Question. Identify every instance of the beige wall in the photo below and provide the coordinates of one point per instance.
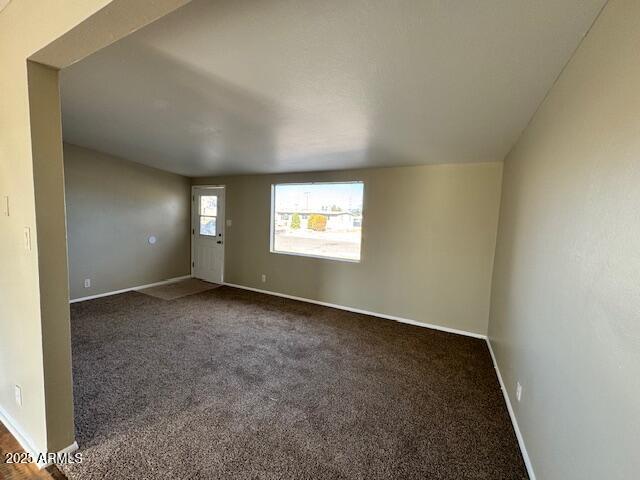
(565, 302)
(427, 246)
(23, 30)
(113, 206)
(34, 346)
(48, 181)
(565, 316)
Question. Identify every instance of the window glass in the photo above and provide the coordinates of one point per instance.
(209, 205)
(208, 226)
(318, 219)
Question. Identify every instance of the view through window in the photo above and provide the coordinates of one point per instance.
(318, 219)
(208, 215)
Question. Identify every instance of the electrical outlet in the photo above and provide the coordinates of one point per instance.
(264, 278)
(87, 282)
(518, 391)
(18, 394)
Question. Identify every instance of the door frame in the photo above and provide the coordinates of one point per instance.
(194, 214)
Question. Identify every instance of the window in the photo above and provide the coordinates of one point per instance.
(317, 219)
(208, 214)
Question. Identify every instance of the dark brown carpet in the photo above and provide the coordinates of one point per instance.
(233, 384)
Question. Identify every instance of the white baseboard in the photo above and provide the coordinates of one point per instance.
(26, 443)
(124, 290)
(514, 421)
(65, 451)
(364, 312)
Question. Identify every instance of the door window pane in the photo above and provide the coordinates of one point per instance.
(209, 205)
(208, 226)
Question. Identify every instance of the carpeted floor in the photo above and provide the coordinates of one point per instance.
(233, 384)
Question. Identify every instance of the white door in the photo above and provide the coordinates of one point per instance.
(207, 234)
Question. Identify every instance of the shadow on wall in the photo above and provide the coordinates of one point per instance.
(509, 247)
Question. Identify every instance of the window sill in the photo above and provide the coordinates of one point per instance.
(321, 257)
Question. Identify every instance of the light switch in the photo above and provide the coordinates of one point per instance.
(27, 238)
(5, 205)
(18, 394)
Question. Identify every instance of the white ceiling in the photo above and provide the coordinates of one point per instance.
(223, 87)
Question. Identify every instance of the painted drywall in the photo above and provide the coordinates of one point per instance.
(113, 207)
(33, 347)
(566, 291)
(427, 244)
(48, 181)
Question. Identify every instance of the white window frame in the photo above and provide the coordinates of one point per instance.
(272, 230)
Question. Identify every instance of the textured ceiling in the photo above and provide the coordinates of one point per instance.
(279, 85)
